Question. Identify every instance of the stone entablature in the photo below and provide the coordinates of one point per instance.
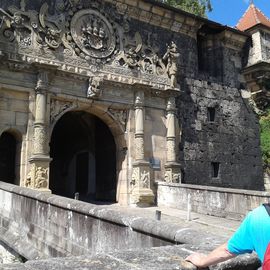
(83, 39)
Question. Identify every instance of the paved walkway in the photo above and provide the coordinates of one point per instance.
(216, 225)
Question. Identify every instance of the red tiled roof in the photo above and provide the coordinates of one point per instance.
(252, 17)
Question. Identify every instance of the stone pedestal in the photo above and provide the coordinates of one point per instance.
(172, 172)
(142, 194)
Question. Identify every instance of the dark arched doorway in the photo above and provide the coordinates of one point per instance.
(83, 155)
(7, 158)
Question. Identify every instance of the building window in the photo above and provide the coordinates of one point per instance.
(215, 167)
(211, 114)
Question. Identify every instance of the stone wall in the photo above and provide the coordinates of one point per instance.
(220, 202)
(231, 139)
(38, 225)
(265, 45)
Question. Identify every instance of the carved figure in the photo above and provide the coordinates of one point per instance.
(176, 177)
(171, 57)
(135, 178)
(94, 90)
(41, 177)
(28, 180)
(19, 25)
(145, 178)
(52, 38)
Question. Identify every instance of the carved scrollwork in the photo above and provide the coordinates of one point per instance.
(66, 29)
(171, 177)
(120, 116)
(58, 107)
(144, 58)
(49, 29)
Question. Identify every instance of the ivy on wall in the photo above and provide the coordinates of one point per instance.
(265, 140)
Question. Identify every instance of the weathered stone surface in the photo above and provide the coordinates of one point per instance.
(147, 259)
(38, 225)
(221, 202)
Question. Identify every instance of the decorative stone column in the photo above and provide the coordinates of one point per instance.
(172, 168)
(38, 177)
(141, 192)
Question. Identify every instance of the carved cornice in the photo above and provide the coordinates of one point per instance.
(258, 79)
(233, 40)
(159, 16)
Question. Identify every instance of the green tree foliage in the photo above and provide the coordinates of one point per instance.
(197, 7)
(265, 140)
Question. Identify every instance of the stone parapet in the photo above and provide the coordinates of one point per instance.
(145, 259)
(215, 201)
(39, 225)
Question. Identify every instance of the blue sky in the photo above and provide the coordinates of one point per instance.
(229, 12)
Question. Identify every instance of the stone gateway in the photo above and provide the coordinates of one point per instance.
(108, 98)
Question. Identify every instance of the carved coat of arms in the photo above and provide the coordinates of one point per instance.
(93, 33)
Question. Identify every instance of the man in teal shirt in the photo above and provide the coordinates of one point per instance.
(252, 235)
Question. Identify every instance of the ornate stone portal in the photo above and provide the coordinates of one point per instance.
(89, 57)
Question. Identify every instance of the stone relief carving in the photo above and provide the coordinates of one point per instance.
(72, 28)
(58, 107)
(140, 178)
(145, 179)
(139, 148)
(119, 115)
(171, 153)
(139, 56)
(37, 177)
(28, 180)
(94, 90)
(21, 23)
(40, 138)
(135, 178)
(41, 177)
(171, 177)
(93, 33)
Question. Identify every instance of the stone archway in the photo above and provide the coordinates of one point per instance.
(83, 153)
(8, 146)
